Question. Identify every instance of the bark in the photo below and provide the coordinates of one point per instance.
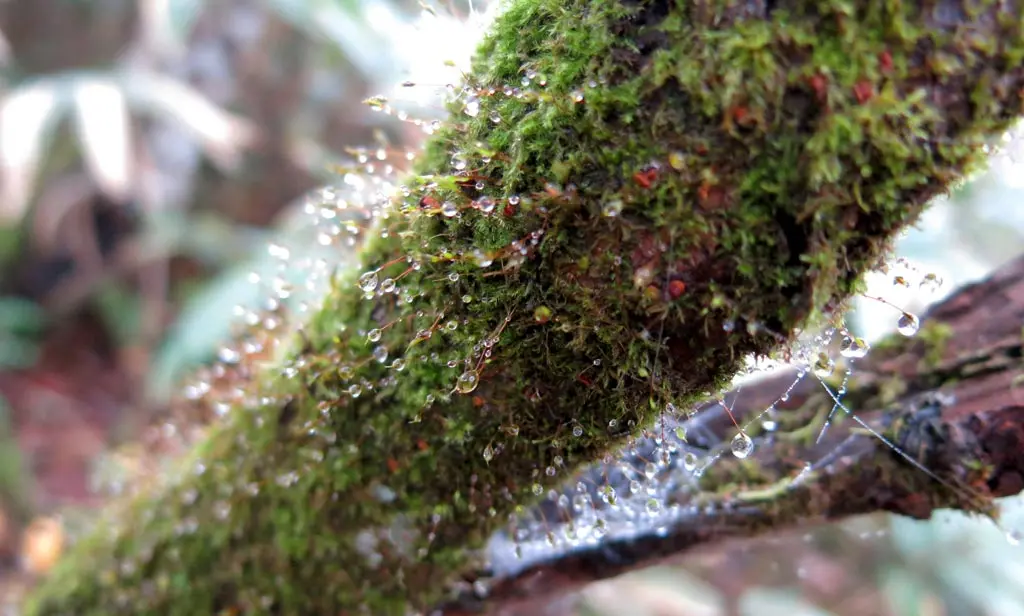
(627, 200)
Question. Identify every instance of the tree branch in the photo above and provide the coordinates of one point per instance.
(959, 413)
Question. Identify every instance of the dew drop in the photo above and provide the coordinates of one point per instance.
(485, 204)
(373, 335)
(449, 209)
(854, 348)
(577, 431)
(514, 200)
(387, 286)
(742, 445)
(930, 283)
(577, 96)
(823, 366)
(612, 208)
(453, 276)
(653, 507)
(368, 281)
(538, 489)
(398, 365)
(467, 381)
(488, 453)
(676, 161)
(908, 324)
(466, 299)
(690, 461)
(354, 390)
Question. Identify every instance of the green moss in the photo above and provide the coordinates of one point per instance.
(934, 335)
(678, 186)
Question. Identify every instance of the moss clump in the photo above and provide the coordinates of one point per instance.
(670, 187)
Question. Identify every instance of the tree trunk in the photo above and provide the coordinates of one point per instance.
(628, 199)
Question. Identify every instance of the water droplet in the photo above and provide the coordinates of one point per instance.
(485, 204)
(550, 471)
(690, 461)
(908, 324)
(466, 299)
(368, 281)
(488, 453)
(577, 431)
(577, 96)
(742, 445)
(729, 326)
(653, 506)
(472, 107)
(398, 365)
(930, 283)
(482, 259)
(449, 209)
(612, 208)
(854, 348)
(495, 117)
(453, 276)
(467, 381)
(823, 366)
(354, 390)
(387, 286)
(513, 200)
(373, 335)
(676, 161)
(538, 489)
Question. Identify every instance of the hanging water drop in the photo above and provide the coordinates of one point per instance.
(742, 445)
(908, 324)
(373, 335)
(612, 208)
(690, 461)
(449, 209)
(485, 204)
(387, 286)
(453, 277)
(930, 283)
(398, 365)
(368, 281)
(854, 348)
(823, 366)
(380, 354)
(467, 381)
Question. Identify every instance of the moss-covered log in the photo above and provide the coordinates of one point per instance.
(628, 199)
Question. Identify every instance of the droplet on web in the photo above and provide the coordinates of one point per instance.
(742, 445)
(908, 324)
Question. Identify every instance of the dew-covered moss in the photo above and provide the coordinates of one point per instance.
(674, 187)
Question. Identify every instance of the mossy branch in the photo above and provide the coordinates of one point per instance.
(960, 413)
(638, 195)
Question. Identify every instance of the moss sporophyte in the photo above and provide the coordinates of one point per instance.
(666, 188)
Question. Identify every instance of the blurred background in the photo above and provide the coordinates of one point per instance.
(151, 150)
